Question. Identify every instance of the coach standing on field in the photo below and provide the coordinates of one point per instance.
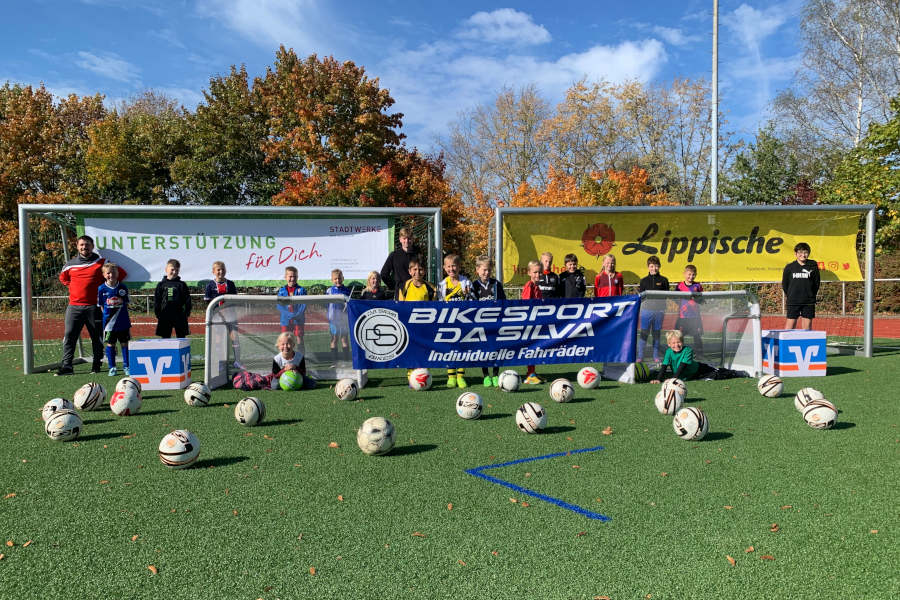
(83, 275)
(395, 271)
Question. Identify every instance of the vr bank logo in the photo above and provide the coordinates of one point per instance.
(381, 334)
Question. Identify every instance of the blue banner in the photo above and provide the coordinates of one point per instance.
(485, 333)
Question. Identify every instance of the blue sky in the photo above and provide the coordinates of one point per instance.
(436, 58)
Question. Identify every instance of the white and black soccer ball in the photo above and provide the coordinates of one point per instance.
(63, 425)
(805, 396)
(676, 384)
(668, 401)
(469, 405)
(420, 379)
(129, 382)
(770, 386)
(250, 411)
(690, 423)
(561, 390)
(346, 389)
(376, 436)
(531, 417)
(588, 378)
(820, 414)
(197, 394)
(179, 449)
(125, 403)
(51, 406)
(509, 381)
(90, 396)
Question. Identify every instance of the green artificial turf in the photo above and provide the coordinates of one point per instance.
(274, 512)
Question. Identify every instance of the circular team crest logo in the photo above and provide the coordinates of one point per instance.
(381, 334)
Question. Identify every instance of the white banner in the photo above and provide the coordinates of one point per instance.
(255, 250)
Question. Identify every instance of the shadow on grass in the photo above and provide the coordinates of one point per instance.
(495, 416)
(155, 396)
(280, 422)
(833, 370)
(577, 400)
(411, 449)
(161, 411)
(101, 436)
(222, 461)
(557, 429)
(844, 425)
(368, 397)
(716, 435)
(97, 421)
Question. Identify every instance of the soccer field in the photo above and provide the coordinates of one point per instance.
(763, 507)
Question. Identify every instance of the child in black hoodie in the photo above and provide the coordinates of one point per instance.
(172, 303)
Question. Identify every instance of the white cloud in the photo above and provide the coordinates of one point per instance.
(504, 25)
(109, 65)
(745, 68)
(675, 37)
(298, 24)
(434, 82)
(752, 25)
(187, 97)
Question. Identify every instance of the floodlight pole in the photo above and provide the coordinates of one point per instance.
(714, 154)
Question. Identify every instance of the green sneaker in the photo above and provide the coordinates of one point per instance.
(461, 382)
(451, 382)
(495, 380)
(488, 382)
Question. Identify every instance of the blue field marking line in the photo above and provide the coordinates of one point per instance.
(479, 472)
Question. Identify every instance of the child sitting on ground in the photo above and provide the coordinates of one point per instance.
(680, 359)
(289, 359)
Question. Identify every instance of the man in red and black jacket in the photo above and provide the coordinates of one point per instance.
(83, 275)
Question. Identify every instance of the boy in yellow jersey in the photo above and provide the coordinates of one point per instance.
(453, 288)
(415, 288)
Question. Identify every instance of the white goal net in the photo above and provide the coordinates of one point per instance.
(241, 334)
(723, 328)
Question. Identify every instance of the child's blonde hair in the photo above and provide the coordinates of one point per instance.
(109, 266)
(692, 269)
(483, 259)
(291, 270)
(532, 264)
(376, 274)
(452, 258)
(218, 263)
(547, 254)
(675, 334)
(287, 335)
(337, 272)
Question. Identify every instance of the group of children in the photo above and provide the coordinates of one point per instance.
(173, 306)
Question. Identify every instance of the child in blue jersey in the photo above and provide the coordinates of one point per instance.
(486, 287)
(689, 321)
(220, 286)
(337, 321)
(112, 297)
(293, 316)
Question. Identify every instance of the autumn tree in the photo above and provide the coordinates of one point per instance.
(495, 148)
(225, 161)
(329, 117)
(42, 148)
(132, 151)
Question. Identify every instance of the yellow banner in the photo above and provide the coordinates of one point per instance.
(723, 245)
